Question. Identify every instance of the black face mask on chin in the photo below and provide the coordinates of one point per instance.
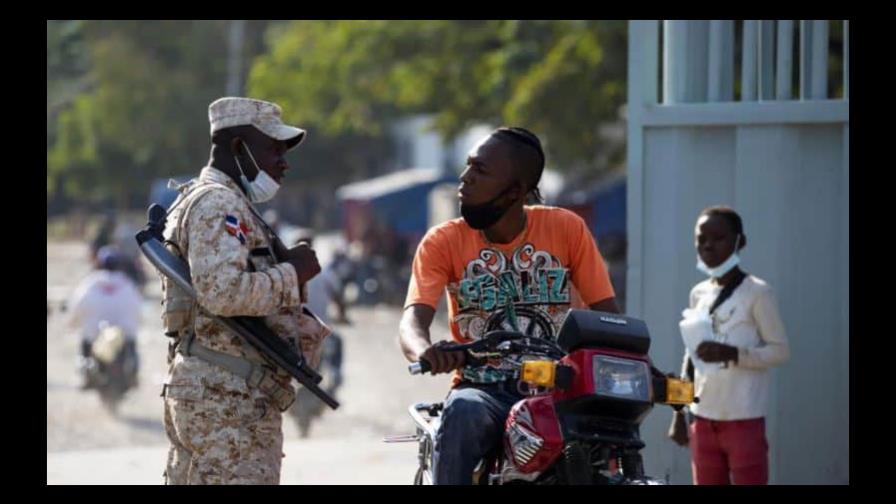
(485, 215)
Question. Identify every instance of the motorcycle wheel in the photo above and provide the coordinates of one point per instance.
(303, 421)
(111, 399)
(633, 466)
(575, 467)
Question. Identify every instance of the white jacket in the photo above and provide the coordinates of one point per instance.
(748, 320)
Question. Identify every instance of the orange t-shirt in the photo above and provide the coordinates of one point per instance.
(553, 265)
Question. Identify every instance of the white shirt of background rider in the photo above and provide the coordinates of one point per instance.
(106, 296)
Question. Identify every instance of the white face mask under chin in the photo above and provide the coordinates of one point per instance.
(720, 270)
(263, 188)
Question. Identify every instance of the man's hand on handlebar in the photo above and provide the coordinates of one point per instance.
(442, 360)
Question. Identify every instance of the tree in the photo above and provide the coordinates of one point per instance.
(126, 100)
(140, 110)
(562, 79)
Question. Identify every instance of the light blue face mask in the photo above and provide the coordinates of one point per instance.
(263, 188)
(720, 270)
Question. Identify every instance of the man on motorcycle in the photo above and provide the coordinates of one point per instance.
(538, 259)
(105, 297)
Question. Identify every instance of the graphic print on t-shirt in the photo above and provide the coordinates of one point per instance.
(533, 282)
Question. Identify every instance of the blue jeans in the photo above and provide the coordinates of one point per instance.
(472, 426)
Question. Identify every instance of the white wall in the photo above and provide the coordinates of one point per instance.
(784, 167)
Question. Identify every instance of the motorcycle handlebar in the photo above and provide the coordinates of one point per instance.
(490, 340)
(420, 367)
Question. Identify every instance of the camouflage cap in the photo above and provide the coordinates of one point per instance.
(265, 116)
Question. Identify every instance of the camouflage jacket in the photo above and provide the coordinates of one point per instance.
(234, 272)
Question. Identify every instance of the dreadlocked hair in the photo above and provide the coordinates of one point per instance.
(525, 143)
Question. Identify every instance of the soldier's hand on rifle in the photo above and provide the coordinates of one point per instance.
(304, 260)
(280, 250)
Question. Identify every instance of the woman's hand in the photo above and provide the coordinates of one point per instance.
(710, 351)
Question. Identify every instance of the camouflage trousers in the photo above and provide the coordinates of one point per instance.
(221, 435)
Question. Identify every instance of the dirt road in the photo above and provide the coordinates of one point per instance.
(86, 444)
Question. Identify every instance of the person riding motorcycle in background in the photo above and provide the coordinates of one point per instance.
(105, 297)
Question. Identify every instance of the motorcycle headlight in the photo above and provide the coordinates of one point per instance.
(622, 378)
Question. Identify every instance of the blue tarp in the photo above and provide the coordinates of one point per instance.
(400, 199)
(608, 216)
(602, 205)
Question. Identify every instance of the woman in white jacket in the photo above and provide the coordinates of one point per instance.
(727, 435)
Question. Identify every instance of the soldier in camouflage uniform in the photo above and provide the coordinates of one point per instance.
(223, 402)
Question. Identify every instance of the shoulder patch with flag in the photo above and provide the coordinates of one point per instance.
(236, 228)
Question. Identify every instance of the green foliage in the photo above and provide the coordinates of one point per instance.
(126, 100)
(561, 79)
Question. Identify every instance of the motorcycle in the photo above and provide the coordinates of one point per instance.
(111, 365)
(587, 394)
